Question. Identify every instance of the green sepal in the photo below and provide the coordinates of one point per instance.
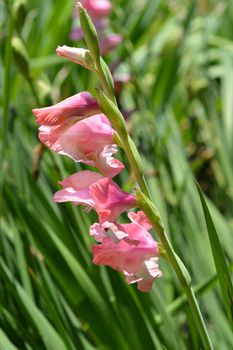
(151, 211)
(112, 113)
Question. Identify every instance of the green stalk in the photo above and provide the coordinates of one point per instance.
(109, 107)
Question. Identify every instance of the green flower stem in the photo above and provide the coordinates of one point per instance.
(181, 272)
(109, 108)
(106, 79)
(135, 163)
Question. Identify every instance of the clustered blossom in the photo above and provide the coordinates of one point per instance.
(99, 12)
(75, 127)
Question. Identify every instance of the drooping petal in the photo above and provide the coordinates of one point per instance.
(76, 107)
(145, 277)
(110, 200)
(76, 188)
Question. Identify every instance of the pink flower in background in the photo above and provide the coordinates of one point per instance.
(99, 11)
(76, 188)
(128, 248)
(74, 108)
(109, 42)
(110, 200)
(97, 8)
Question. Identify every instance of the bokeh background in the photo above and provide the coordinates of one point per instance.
(174, 69)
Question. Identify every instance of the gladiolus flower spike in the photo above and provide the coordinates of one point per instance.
(75, 127)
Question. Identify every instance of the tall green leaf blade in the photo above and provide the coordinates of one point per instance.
(5, 343)
(219, 260)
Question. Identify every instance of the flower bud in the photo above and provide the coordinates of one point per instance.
(77, 55)
(90, 33)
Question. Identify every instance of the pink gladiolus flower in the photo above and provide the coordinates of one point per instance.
(128, 248)
(76, 188)
(109, 42)
(74, 108)
(89, 141)
(110, 200)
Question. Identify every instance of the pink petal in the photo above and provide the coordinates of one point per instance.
(145, 277)
(110, 200)
(140, 218)
(107, 164)
(76, 107)
(138, 263)
(76, 188)
(97, 8)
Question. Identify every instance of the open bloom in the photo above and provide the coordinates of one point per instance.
(76, 188)
(128, 248)
(74, 108)
(90, 141)
(110, 200)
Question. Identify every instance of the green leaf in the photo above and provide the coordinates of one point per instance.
(5, 343)
(219, 260)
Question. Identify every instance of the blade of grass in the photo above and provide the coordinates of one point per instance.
(219, 260)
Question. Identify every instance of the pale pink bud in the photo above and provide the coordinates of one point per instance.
(77, 55)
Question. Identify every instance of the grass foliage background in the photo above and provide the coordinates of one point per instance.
(180, 57)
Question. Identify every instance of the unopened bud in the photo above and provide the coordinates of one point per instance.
(77, 55)
(90, 33)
